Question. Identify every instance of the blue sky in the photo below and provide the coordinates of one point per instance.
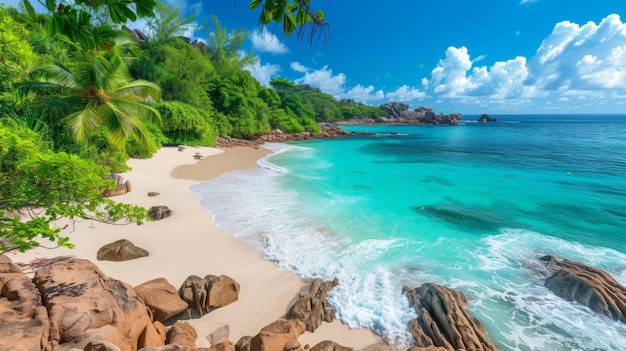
(482, 56)
(472, 57)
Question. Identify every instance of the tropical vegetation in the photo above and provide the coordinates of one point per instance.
(80, 94)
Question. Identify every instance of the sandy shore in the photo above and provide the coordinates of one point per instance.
(186, 244)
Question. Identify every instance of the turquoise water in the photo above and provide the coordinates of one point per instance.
(470, 207)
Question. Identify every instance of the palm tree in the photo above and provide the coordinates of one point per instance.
(96, 90)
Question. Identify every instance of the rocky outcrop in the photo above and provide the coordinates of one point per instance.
(207, 292)
(121, 250)
(328, 345)
(279, 335)
(327, 130)
(399, 113)
(85, 305)
(221, 291)
(121, 186)
(161, 298)
(443, 321)
(159, 212)
(24, 323)
(182, 334)
(313, 308)
(588, 286)
(484, 118)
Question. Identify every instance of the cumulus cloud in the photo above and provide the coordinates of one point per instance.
(363, 94)
(267, 42)
(298, 67)
(405, 94)
(263, 73)
(324, 80)
(589, 59)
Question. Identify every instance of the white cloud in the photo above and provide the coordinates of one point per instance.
(363, 94)
(298, 67)
(405, 94)
(263, 73)
(587, 57)
(324, 80)
(267, 42)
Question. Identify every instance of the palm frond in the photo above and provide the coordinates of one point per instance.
(84, 122)
(141, 88)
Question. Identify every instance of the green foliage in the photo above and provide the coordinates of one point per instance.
(225, 46)
(168, 23)
(292, 14)
(155, 141)
(95, 90)
(184, 74)
(184, 124)
(65, 185)
(76, 21)
(16, 54)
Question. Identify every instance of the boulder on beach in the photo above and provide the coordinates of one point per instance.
(120, 250)
(162, 299)
(159, 212)
(279, 335)
(85, 305)
(24, 323)
(207, 292)
(442, 320)
(313, 308)
(589, 286)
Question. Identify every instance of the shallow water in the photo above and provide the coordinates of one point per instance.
(470, 207)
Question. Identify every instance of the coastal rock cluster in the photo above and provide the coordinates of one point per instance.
(399, 113)
(588, 286)
(443, 322)
(327, 130)
(71, 305)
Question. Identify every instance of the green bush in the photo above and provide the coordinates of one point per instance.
(186, 125)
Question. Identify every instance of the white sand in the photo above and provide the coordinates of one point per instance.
(187, 244)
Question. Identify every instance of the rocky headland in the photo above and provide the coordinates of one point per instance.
(399, 113)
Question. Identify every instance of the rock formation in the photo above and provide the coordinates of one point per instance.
(24, 323)
(328, 345)
(484, 118)
(121, 250)
(442, 320)
(399, 113)
(121, 186)
(279, 335)
(312, 308)
(85, 305)
(207, 292)
(159, 212)
(588, 286)
(161, 298)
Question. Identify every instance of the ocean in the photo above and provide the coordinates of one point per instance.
(471, 207)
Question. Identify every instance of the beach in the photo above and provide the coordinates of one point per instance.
(187, 244)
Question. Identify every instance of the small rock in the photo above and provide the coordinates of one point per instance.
(121, 250)
(153, 194)
(159, 212)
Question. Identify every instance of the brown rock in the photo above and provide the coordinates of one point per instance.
(182, 333)
(221, 291)
(159, 212)
(153, 193)
(121, 250)
(327, 345)
(193, 291)
(588, 286)
(313, 307)
(279, 335)
(443, 321)
(99, 345)
(219, 335)
(161, 298)
(243, 344)
(121, 186)
(223, 346)
(85, 305)
(24, 324)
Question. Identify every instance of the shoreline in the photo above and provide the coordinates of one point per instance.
(188, 244)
